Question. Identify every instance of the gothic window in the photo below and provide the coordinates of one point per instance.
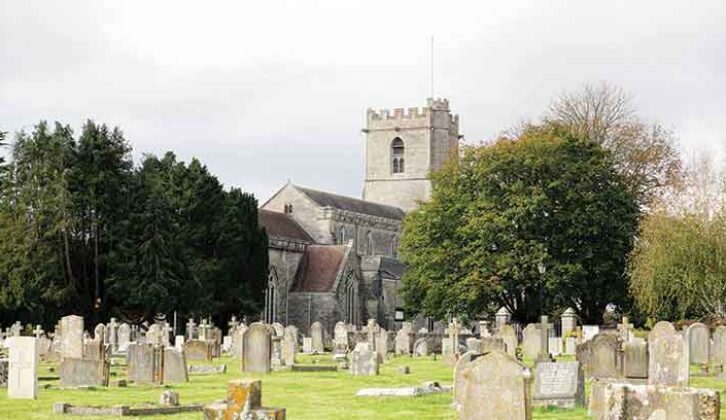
(397, 154)
(350, 298)
(342, 237)
(271, 297)
(394, 246)
(369, 243)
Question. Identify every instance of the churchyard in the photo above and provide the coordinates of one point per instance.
(477, 371)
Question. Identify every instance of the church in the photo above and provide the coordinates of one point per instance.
(334, 258)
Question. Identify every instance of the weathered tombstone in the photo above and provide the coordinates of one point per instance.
(276, 360)
(124, 336)
(363, 360)
(145, 363)
(154, 335)
(502, 318)
(404, 339)
(83, 372)
(699, 343)
(198, 350)
(463, 362)
(179, 343)
(340, 338)
(289, 347)
(629, 401)
(307, 345)
(22, 367)
(192, 330)
(237, 340)
(626, 329)
(544, 339)
(316, 333)
(531, 341)
(484, 329)
(72, 339)
(421, 347)
(560, 384)
(718, 348)
(509, 336)
(382, 345)
(605, 359)
(568, 320)
(668, 356)
(635, 359)
(257, 349)
(495, 386)
(99, 333)
(472, 344)
(112, 334)
(175, 366)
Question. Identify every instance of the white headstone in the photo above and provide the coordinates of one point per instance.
(23, 367)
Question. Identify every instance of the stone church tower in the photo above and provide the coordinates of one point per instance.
(403, 147)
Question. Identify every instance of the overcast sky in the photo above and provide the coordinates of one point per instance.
(266, 91)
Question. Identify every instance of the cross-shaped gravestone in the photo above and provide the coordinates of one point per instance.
(544, 336)
(454, 328)
(190, 329)
(16, 329)
(203, 328)
(38, 331)
(165, 334)
(625, 327)
(233, 323)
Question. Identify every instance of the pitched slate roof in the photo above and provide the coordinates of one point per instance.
(318, 268)
(392, 267)
(355, 205)
(281, 225)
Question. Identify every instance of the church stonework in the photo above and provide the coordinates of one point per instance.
(403, 147)
(334, 258)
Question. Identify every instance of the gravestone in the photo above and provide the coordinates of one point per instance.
(340, 338)
(509, 337)
(382, 345)
(363, 360)
(72, 336)
(22, 367)
(487, 344)
(175, 366)
(635, 359)
(276, 361)
(668, 356)
(699, 343)
(192, 330)
(718, 346)
(404, 339)
(83, 372)
(289, 347)
(531, 341)
(502, 318)
(626, 329)
(316, 333)
(544, 339)
(495, 386)
(198, 350)
(568, 321)
(463, 362)
(604, 356)
(179, 343)
(237, 340)
(124, 336)
(145, 363)
(307, 345)
(421, 347)
(154, 335)
(112, 334)
(257, 349)
(99, 333)
(559, 384)
(279, 329)
(472, 344)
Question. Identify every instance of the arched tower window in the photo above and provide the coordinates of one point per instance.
(397, 154)
(369, 243)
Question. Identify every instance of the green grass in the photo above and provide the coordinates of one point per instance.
(305, 395)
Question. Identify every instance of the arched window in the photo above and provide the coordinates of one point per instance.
(270, 314)
(394, 246)
(342, 237)
(397, 154)
(369, 243)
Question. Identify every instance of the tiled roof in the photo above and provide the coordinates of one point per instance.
(318, 268)
(393, 267)
(355, 205)
(281, 225)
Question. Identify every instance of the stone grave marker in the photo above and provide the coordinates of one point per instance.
(83, 372)
(145, 363)
(316, 333)
(279, 329)
(568, 320)
(257, 349)
(472, 344)
(175, 366)
(99, 333)
(382, 345)
(488, 344)
(495, 386)
(531, 341)
(718, 348)
(363, 360)
(699, 342)
(112, 334)
(635, 359)
(502, 318)
(72, 336)
(421, 347)
(22, 367)
(668, 360)
(192, 330)
(509, 337)
(340, 338)
(198, 350)
(276, 361)
(463, 362)
(404, 338)
(605, 359)
(237, 340)
(544, 339)
(289, 347)
(124, 336)
(559, 384)
(307, 345)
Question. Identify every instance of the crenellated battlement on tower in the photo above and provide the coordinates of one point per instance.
(398, 113)
(410, 117)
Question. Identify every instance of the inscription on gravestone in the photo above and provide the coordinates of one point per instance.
(559, 384)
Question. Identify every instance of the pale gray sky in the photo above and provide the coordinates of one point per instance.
(265, 91)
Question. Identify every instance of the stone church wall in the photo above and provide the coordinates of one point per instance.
(284, 263)
(304, 211)
(306, 308)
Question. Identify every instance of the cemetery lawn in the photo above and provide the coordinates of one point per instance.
(306, 395)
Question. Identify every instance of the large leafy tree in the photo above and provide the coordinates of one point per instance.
(546, 199)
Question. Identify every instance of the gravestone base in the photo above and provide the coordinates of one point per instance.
(558, 402)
